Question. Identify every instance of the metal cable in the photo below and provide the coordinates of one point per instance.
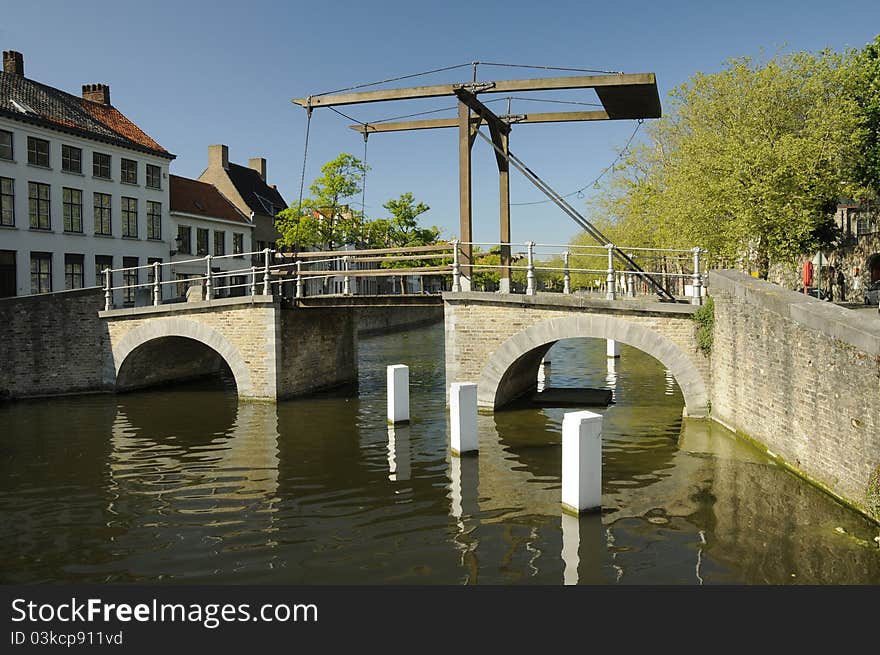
(302, 179)
(598, 177)
(552, 68)
(395, 79)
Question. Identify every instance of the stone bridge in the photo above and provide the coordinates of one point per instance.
(498, 340)
(272, 349)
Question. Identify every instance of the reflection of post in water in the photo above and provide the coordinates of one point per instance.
(584, 549)
(543, 374)
(611, 375)
(670, 383)
(464, 473)
(399, 452)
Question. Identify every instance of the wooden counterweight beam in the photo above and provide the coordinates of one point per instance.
(623, 96)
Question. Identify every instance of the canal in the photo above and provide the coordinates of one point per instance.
(189, 485)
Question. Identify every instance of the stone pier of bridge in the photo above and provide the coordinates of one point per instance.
(499, 339)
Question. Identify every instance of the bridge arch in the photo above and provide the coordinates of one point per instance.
(163, 328)
(517, 359)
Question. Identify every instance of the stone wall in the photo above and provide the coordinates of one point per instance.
(381, 314)
(318, 349)
(382, 320)
(801, 377)
(496, 339)
(52, 344)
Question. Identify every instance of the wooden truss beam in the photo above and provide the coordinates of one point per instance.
(434, 123)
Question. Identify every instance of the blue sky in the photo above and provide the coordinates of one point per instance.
(196, 73)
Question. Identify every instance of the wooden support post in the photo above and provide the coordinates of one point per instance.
(464, 185)
(504, 204)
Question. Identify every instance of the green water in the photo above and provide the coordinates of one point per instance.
(189, 485)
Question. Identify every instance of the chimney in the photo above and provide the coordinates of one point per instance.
(99, 93)
(13, 63)
(259, 165)
(218, 156)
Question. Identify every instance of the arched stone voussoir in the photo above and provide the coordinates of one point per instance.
(181, 327)
(662, 348)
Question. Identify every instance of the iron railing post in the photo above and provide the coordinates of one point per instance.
(157, 287)
(209, 284)
(266, 288)
(697, 280)
(253, 280)
(566, 274)
(610, 292)
(530, 270)
(456, 268)
(346, 285)
(108, 290)
(299, 280)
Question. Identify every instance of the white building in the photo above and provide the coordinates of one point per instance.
(81, 188)
(207, 223)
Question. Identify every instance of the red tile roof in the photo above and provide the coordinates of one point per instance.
(202, 199)
(113, 118)
(26, 100)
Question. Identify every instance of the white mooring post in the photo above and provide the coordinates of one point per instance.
(613, 348)
(581, 462)
(463, 417)
(609, 278)
(697, 280)
(398, 393)
(157, 285)
(456, 268)
(299, 280)
(346, 281)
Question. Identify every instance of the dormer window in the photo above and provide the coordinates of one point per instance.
(267, 204)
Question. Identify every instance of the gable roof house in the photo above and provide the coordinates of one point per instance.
(247, 189)
(82, 188)
(207, 223)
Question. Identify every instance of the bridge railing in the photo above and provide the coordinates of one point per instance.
(595, 269)
(256, 278)
(455, 266)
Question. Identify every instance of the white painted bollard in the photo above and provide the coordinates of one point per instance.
(463, 417)
(581, 462)
(398, 393)
(613, 348)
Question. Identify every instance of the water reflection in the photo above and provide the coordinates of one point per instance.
(194, 488)
(188, 484)
(464, 508)
(398, 453)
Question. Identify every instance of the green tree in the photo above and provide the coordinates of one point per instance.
(402, 228)
(866, 90)
(749, 162)
(325, 219)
